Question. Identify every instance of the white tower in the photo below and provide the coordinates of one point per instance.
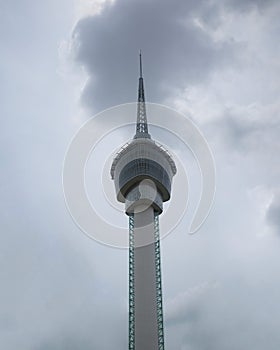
(142, 171)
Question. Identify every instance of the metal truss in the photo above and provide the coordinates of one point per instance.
(131, 330)
(158, 285)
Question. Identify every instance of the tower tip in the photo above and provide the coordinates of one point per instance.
(140, 61)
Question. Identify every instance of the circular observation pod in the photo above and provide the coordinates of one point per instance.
(139, 160)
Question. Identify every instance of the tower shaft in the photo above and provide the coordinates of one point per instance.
(145, 291)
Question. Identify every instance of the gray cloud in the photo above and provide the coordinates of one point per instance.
(176, 52)
(246, 131)
(58, 289)
(185, 307)
(230, 315)
(245, 5)
(273, 212)
(51, 297)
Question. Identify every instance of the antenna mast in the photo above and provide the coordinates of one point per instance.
(142, 124)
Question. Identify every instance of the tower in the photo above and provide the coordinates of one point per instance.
(142, 172)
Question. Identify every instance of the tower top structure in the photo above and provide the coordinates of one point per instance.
(140, 159)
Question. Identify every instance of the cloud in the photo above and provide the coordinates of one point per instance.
(273, 212)
(250, 129)
(220, 60)
(230, 314)
(185, 307)
(249, 4)
(238, 107)
(176, 52)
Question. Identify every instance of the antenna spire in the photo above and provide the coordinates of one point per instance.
(142, 124)
(140, 61)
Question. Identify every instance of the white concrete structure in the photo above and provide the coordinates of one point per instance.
(142, 172)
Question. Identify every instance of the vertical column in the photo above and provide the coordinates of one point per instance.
(145, 288)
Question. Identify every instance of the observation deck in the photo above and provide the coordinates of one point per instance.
(143, 159)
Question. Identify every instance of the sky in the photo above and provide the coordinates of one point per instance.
(217, 62)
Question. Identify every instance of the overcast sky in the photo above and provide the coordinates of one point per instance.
(215, 61)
